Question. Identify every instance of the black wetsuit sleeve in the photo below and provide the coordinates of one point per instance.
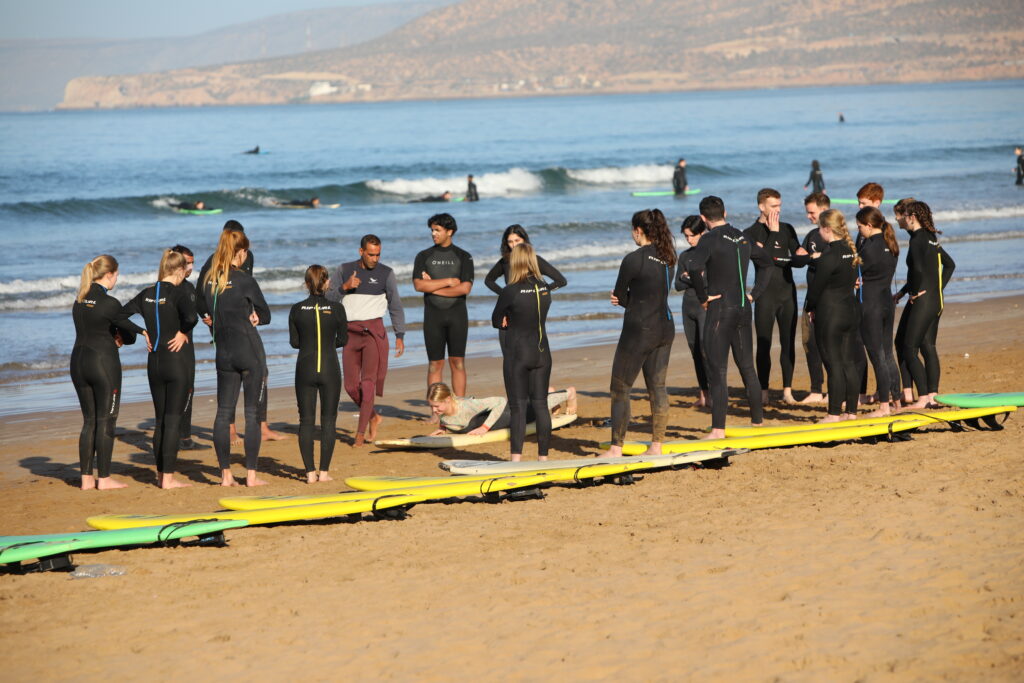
(187, 317)
(419, 265)
(948, 266)
(341, 334)
(201, 308)
(491, 280)
(627, 271)
(699, 256)
(134, 307)
(259, 304)
(763, 263)
(502, 307)
(826, 264)
(293, 327)
(916, 270)
(467, 273)
(557, 280)
(682, 280)
(118, 318)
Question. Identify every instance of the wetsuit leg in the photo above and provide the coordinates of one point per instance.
(435, 332)
(626, 365)
(99, 383)
(538, 382)
(872, 334)
(901, 333)
(458, 330)
(921, 329)
(517, 390)
(185, 430)
(931, 355)
(330, 393)
(766, 309)
(229, 383)
(694, 316)
(305, 398)
(254, 387)
(718, 328)
(157, 389)
(810, 344)
(743, 355)
(87, 398)
(655, 369)
(835, 328)
(264, 395)
(786, 316)
(174, 374)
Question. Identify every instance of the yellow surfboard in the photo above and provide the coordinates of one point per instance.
(447, 487)
(776, 440)
(928, 416)
(367, 503)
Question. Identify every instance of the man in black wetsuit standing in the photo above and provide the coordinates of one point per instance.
(1020, 165)
(444, 273)
(679, 184)
(813, 246)
(471, 193)
(724, 253)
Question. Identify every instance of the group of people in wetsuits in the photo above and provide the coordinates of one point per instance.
(849, 315)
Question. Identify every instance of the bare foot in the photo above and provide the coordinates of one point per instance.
(571, 402)
(829, 419)
(371, 429)
(167, 481)
(88, 482)
(702, 400)
(360, 440)
(227, 479)
(516, 457)
(233, 436)
(269, 434)
(252, 480)
(108, 484)
(814, 398)
(884, 410)
(787, 396)
(714, 434)
(542, 458)
(612, 452)
(311, 477)
(323, 476)
(653, 449)
(867, 399)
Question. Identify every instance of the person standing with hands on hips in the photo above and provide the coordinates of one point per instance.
(367, 289)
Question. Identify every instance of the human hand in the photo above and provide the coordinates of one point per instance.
(614, 299)
(424, 275)
(208, 320)
(773, 221)
(399, 347)
(801, 252)
(709, 300)
(254, 319)
(437, 432)
(480, 430)
(179, 340)
(352, 282)
(118, 340)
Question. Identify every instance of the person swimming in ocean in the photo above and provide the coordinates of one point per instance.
(254, 150)
(311, 203)
(445, 196)
(189, 206)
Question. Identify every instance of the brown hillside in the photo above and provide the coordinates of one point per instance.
(495, 47)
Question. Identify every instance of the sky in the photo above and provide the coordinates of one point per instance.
(134, 19)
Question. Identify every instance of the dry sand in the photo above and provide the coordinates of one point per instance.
(854, 562)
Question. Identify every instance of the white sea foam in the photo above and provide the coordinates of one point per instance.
(982, 212)
(512, 181)
(644, 174)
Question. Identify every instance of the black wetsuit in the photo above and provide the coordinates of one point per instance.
(186, 418)
(832, 300)
(96, 374)
(813, 244)
(527, 358)
(777, 303)
(878, 311)
(1020, 169)
(241, 362)
(316, 327)
(694, 315)
(645, 343)
(299, 204)
(679, 180)
(500, 269)
(167, 310)
(471, 193)
(445, 318)
(816, 180)
(724, 253)
(929, 268)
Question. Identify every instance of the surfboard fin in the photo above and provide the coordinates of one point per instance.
(55, 563)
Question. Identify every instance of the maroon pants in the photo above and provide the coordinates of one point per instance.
(361, 360)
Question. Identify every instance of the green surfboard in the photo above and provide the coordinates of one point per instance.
(982, 400)
(662, 193)
(200, 212)
(21, 548)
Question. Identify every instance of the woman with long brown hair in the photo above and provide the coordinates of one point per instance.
(879, 252)
(831, 300)
(170, 314)
(929, 269)
(648, 329)
(236, 305)
(101, 328)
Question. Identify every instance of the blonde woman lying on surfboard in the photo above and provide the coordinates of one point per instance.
(475, 416)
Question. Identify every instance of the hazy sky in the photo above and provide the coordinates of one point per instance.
(128, 19)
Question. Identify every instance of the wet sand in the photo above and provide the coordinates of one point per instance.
(897, 561)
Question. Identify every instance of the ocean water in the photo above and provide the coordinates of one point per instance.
(77, 184)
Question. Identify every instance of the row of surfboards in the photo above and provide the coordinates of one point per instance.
(390, 496)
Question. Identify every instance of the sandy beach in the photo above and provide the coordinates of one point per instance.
(898, 561)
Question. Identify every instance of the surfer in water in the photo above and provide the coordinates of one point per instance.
(189, 206)
(471, 193)
(311, 203)
(817, 178)
(445, 196)
(679, 183)
(1019, 168)
(254, 150)
(476, 416)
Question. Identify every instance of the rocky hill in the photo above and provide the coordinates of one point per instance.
(494, 47)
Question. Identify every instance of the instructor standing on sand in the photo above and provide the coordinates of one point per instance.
(444, 273)
(367, 288)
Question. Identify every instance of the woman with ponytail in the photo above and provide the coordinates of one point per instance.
(831, 300)
(101, 327)
(879, 251)
(316, 327)
(648, 329)
(236, 305)
(929, 269)
(169, 312)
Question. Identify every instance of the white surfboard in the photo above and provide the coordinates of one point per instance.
(463, 440)
(498, 467)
